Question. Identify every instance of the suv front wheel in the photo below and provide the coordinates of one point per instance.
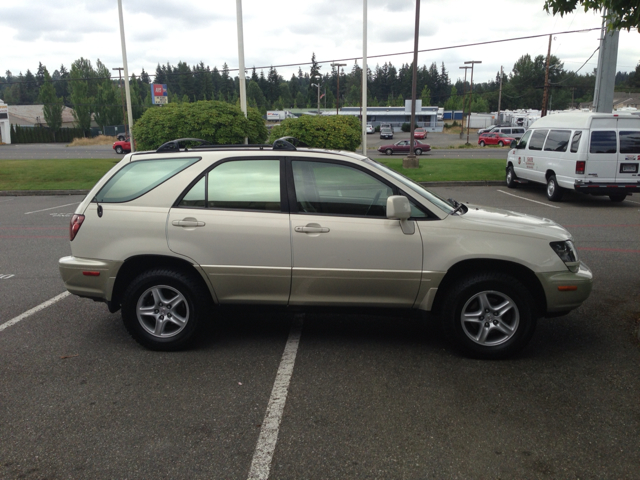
(163, 309)
(489, 315)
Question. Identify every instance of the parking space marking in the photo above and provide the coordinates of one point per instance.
(631, 201)
(528, 199)
(263, 455)
(28, 313)
(6, 276)
(52, 208)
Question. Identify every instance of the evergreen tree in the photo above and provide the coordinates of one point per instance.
(52, 105)
(79, 96)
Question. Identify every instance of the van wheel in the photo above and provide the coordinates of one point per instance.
(489, 315)
(481, 143)
(619, 197)
(500, 143)
(554, 191)
(163, 309)
(511, 177)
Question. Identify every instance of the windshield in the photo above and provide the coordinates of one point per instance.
(442, 204)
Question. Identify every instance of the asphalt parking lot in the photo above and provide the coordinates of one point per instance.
(369, 397)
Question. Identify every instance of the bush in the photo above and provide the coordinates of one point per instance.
(217, 122)
(406, 127)
(333, 133)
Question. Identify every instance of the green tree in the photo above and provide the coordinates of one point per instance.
(624, 14)
(79, 94)
(425, 95)
(334, 132)
(52, 105)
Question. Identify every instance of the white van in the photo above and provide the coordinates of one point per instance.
(592, 153)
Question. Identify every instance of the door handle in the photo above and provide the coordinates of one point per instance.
(187, 222)
(311, 228)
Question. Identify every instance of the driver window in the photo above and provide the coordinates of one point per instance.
(335, 189)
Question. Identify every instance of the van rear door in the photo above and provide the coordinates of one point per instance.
(629, 152)
(603, 151)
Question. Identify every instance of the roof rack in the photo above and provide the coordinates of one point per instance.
(284, 143)
(174, 145)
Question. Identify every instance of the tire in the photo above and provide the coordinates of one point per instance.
(119, 149)
(501, 143)
(418, 151)
(489, 315)
(163, 309)
(482, 143)
(511, 177)
(388, 151)
(554, 191)
(618, 197)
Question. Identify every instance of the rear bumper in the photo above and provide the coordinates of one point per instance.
(566, 290)
(88, 277)
(592, 188)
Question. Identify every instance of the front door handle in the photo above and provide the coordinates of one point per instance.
(311, 228)
(188, 222)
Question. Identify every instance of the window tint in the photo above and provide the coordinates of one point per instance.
(196, 197)
(603, 141)
(557, 141)
(575, 142)
(523, 141)
(334, 189)
(137, 178)
(244, 185)
(537, 139)
(629, 142)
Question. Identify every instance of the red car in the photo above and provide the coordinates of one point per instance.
(495, 139)
(419, 133)
(122, 146)
(403, 147)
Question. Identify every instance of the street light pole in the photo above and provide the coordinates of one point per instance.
(338, 96)
(472, 62)
(126, 77)
(464, 100)
(317, 85)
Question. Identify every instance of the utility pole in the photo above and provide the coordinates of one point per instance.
(499, 119)
(241, 75)
(573, 89)
(127, 90)
(124, 115)
(411, 161)
(545, 95)
(464, 100)
(364, 78)
(338, 96)
(472, 62)
(606, 72)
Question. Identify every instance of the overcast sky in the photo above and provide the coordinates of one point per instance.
(281, 32)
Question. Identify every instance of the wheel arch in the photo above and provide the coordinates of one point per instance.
(134, 266)
(548, 173)
(465, 267)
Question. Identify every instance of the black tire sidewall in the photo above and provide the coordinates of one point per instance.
(557, 191)
(119, 150)
(187, 286)
(463, 290)
(512, 183)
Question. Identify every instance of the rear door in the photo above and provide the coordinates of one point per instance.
(602, 165)
(629, 153)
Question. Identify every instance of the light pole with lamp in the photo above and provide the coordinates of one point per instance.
(472, 62)
(338, 92)
(317, 79)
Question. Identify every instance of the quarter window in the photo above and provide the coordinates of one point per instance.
(575, 142)
(537, 139)
(629, 142)
(557, 141)
(603, 141)
(522, 144)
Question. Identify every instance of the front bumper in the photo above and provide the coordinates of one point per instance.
(88, 277)
(566, 290)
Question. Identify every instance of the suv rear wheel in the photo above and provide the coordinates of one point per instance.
(489, 315)
(163, 309)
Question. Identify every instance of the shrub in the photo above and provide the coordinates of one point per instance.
(217, 122)
(334, 132)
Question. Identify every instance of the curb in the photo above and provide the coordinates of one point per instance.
(40, 193)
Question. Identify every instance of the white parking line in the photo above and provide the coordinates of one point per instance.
(52, 208)
(528, 200)
(28, 313)
(263, 455)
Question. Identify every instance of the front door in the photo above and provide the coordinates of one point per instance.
(345, 250)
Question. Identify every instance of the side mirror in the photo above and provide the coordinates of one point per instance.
(399, 208)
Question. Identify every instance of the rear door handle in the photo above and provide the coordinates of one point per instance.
(188, 222)
(311, 228)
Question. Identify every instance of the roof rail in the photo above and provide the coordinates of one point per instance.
(284, 143)
(174, 145)
(288, 143)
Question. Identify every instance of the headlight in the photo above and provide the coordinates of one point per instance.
(567, 253)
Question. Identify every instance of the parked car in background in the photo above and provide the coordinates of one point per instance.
(489, 128)
(386, 125)
(370, 128)
(420, 133)
(515, 132)
(122, 146)
(169, 236)
(386, 132)
(403, 146)
(496, 139)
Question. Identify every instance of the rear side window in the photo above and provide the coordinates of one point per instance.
(137, 178)
(537, 139)
(517, 130)
(575, 142)
(557, 141)
(523, 141)
(629, 142)
(603, 141)
(506, 131)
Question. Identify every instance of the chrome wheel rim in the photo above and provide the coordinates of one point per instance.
(509, 173)
(162, 311)
(490, 318)
(551, 188)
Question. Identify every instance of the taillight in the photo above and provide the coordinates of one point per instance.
(580, 167)
(74, 226)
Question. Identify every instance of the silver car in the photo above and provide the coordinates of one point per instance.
(168, 236)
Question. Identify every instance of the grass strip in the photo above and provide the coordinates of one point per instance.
(53, 174)
(82, 174)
